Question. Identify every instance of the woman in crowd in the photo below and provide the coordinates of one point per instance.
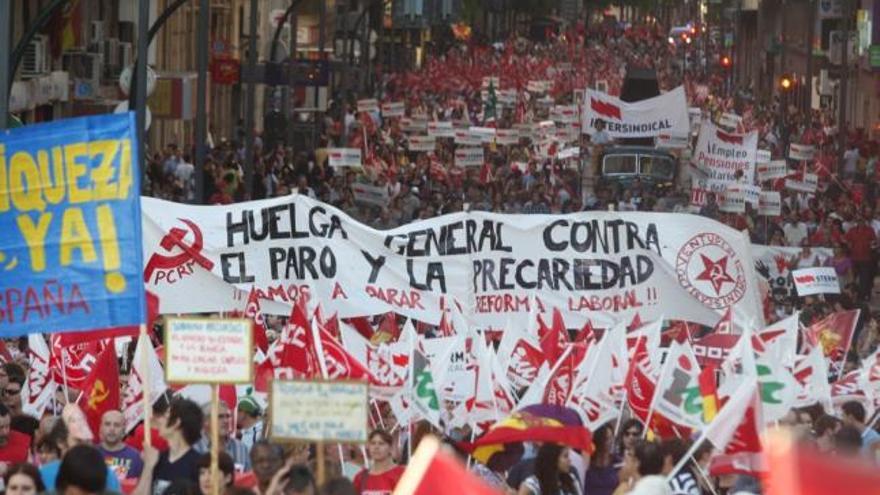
(23, 479)
(553, 473)
(227, 473)
(601, 477)
(383, 474)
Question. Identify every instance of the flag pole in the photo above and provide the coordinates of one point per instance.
(64, 375)
(215, 439)
(147, 387)
(702, 474)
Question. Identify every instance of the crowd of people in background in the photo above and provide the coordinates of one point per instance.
(57, 454)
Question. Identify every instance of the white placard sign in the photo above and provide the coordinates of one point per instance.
(464, 137)
(413, 125)
(442, 129)
(344, 157)
(202, 350)
(469, 157)
(763, 156)
(421, 143)
(770, 204)
(368, 105)
(809, 184)
(816, 280)
(507, 136)
(801, 152)
(730, 120)
(486, 134)
(370, 194)
(776, 169)
(318, 411)
(393, 109)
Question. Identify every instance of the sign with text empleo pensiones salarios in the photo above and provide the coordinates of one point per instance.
(319, 411)
(203, 350)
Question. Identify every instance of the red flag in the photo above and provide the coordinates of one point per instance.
(555, 338)
(834, 333)
(743, 454)
(635, 324)
(362, 325)
(253, 312)
(101, 389)
(338, 363)
(587, 334)
(434, 471)
(725, 324)
(486, 174)
(640, 385)
(73, 338)
(797, 468)
(388, 330)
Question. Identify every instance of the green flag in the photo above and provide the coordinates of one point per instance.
(490, 106)
(424, 395)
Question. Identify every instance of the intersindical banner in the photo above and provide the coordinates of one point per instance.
(604, 266)
(665, 114)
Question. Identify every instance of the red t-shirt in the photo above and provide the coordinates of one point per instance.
(860, 239)
(378, 484)
(16, 448)
(136, 439)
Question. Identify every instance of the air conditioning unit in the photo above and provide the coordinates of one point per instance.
(110, 52)
(36, 60)
(84, 65)
(96, 32)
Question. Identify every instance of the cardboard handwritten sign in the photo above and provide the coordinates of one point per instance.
(202, 350)
(319, 411)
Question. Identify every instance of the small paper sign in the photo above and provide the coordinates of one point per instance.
(469, 157)
(201, 350)
(818, 280)
(776, 169)
(808, 185)
(441, 129)
(413, 126)
(318, 411)
(370, 105)
(507, 136)
(370, 194)
(801, 152)
(762, 156)
(770, 204)
(422, 143)
(344, 157)
(465, 137)
(393, 109)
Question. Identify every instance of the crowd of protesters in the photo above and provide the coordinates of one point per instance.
(58, 454)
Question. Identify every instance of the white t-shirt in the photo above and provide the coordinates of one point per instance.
(795, 233)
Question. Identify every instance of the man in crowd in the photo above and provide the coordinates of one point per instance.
(13, 445)
(235, 448)
(266, 459)
(125, 461)
(82, 472)
(250, 422)
(862, 242)
(854, 415)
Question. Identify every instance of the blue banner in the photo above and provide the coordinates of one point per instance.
(70, 227)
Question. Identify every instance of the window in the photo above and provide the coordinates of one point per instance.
(656, 166)
(619, 165)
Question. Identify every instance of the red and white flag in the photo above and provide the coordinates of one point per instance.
(253, 312)
(146, 368)
(39, 388)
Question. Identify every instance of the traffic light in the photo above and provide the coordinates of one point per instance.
(726, 62)
(786, 83)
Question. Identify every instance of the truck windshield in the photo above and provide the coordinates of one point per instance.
(656, 166)
(619, 165)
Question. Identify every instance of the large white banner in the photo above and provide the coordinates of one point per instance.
(720, 154)
(664, 114)
(604, 266)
